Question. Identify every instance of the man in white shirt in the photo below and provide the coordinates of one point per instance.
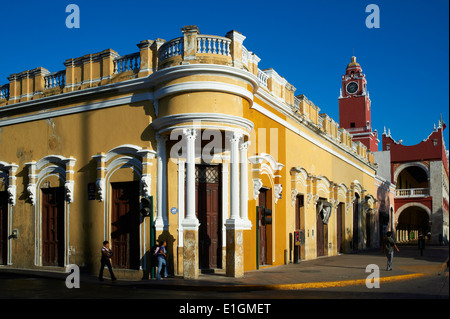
(106, 260)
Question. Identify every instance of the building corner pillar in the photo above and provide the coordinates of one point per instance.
(234, 225)
(234, 251)
(161, 185)
(247, 224)
(190, 223)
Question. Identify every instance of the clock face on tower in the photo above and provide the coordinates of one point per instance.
(352, 87)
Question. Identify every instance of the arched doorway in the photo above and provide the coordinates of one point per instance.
(413, 219)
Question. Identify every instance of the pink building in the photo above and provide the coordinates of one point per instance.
(420, 173)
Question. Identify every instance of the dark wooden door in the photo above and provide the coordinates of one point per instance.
(53, 226)
(208, 210)
(125, 225)
(3, 227)
(262, 227)
(355, 223)
(299, 226)
(320, 235)
(339, 228)
(368, 235)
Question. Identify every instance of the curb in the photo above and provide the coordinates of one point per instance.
(333, 284)
(297, 286)
(199, 286)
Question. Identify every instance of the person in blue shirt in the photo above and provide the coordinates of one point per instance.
(161, 257)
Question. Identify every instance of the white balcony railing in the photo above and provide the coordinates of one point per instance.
(262, 78)
(213, 45)
(129, 62)
(4, 91)
(412, 192)
(55, 79)
(171, 48)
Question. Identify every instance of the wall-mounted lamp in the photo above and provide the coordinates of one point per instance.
(15, 234)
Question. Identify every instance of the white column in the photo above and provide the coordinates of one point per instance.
(161, 191)
(181, 192)
(234, 179)
(225, 198)
(190, 220)
(244, 185)
(234, 225)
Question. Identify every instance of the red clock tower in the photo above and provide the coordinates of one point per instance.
(354, 107)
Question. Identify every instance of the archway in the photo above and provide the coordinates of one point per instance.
(412, 219)
(412, 180)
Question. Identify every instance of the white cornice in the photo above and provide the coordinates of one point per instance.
(180, 71)
(171, 122)
(123, 86)
(273, 74)
(142, 83)
(315, 141)
(203, 86)
(77, 109)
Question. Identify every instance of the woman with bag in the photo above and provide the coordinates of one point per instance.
(161, 257)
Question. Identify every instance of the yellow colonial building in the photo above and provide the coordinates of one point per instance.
(242, 173)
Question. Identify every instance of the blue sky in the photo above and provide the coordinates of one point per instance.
(406, 60)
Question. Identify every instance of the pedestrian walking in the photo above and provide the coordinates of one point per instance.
(389, 245)
(161, 255)
(106, 261)
(421, 243)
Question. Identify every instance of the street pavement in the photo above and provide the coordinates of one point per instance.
(337, 273)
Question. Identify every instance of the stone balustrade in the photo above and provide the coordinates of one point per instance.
(213, 45)
(262, 78)
(55, 79)
(412, 192)
(4, 91)
(129, 62)
(170, 49)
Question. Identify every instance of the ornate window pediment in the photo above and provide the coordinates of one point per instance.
(265, 164)
(8, 177)
(55, 165)
(126, 155)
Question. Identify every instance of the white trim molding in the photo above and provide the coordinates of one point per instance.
(8, 176)
(194, 120)
(197, 86)
(313, 140)
(62, 168)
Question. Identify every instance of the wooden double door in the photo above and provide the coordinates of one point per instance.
(125, 219)
(299, 250)
(208, 205)
(262, 228)
(53, 226)
(321, 233)
(356, 221)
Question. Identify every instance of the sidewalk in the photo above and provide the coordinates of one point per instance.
(342, 270)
